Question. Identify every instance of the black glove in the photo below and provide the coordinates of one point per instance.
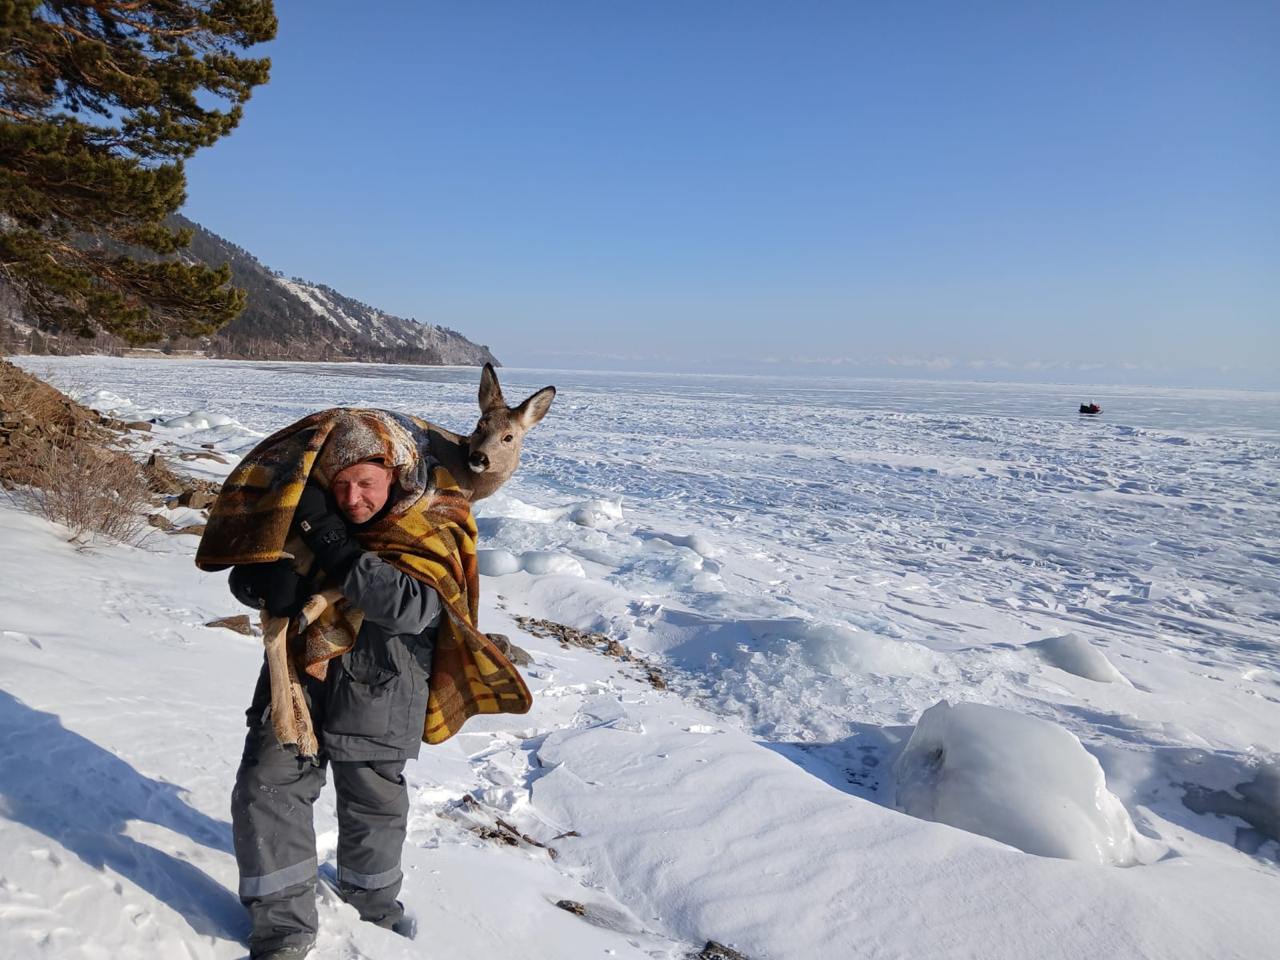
(325, 532)
(274, 587)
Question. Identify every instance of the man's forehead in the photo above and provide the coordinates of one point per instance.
(364, 470)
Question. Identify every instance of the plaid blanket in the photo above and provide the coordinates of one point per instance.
(428, 533)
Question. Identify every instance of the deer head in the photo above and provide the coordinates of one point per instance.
(493, 448)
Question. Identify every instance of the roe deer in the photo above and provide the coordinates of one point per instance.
(485, 459)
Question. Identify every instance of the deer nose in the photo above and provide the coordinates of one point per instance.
(480, 461)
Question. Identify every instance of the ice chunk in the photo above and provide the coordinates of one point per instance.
(542, 562)
(1077, 655)
(594, 513)
(496, 563)
(696, 542)
(1024, 781)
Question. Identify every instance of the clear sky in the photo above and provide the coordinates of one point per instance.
(1072, 190)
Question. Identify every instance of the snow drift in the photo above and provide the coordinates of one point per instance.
(1024, 781)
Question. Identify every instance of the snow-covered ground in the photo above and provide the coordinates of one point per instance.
(817, 563)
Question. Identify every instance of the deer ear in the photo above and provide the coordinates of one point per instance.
(490, 390)
(536, 407)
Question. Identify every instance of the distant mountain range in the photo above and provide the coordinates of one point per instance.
(285, 319)
(291, 318)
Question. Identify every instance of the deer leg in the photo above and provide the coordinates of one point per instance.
(274, 633)
(290, 718)
(306, 735)
(314, 608)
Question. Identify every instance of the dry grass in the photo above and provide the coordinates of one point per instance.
(45, 405)
(55, 456)
(90, 491)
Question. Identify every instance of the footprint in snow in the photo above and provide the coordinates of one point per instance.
(19, 637)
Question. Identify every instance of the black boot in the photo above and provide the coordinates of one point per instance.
(296, 952)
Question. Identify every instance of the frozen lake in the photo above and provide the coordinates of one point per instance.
(961, 603)
(825, 558)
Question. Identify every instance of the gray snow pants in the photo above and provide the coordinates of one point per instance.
(275, 839)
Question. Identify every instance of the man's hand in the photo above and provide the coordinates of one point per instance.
(325, 532)
(274, 587)
(314, 505)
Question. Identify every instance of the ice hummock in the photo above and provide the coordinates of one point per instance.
(1015, 778)
(1074, 654)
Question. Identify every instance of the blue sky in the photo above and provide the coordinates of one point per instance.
(1062, 191)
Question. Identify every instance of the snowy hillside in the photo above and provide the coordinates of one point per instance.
(369, 324)
(304, 320)
(817, 571)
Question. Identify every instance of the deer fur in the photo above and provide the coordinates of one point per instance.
(484, 460)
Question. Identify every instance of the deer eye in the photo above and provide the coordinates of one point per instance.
(508, 438)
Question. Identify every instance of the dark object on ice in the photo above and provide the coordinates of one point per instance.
(1090, 408)
(718, 951)
(573, 906)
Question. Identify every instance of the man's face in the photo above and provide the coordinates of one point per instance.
(361, 490)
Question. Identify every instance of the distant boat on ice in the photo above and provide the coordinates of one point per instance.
(1090, 408)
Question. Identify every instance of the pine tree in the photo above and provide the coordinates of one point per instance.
(101, 101)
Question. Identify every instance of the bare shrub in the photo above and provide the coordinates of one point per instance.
(45, 405)
(89, 490)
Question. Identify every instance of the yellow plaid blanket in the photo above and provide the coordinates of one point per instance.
(429, 534)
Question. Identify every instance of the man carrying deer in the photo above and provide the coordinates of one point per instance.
(370, 509)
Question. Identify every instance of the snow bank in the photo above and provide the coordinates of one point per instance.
(843, 652)
(198, 420)
(104, 401)
(1077, 655)
(194, 430)
(500, 563)
(596, 512)
(1014, 778)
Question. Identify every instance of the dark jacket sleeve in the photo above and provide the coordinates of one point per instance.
(393, 600)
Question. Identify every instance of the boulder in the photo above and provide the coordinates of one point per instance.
(718, 951)
(196, 499)
(159, 521)
(517, 655)
(160, 479)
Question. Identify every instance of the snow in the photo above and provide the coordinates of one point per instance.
(816, 566)
(1014, 778)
